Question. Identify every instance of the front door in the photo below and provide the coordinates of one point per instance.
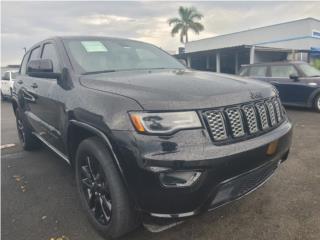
(291, 91)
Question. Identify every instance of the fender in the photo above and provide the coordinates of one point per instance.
(110, 148)
(312, 96)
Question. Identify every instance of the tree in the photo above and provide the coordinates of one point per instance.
(187, 20)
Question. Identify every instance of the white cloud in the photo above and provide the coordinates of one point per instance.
(25, 23)
(103, 19)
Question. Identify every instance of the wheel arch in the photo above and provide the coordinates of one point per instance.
(89, 131)
(312, 97)
(14, 105)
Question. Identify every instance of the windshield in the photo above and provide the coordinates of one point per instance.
(309, 71)
(92, 56)
(13, 75)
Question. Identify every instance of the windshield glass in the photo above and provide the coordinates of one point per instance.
(309, 71)
(91, 56)
(13, 75)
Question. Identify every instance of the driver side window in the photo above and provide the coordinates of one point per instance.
(283, 71)
(49, 52)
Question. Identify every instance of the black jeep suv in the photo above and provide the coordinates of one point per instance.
(146, 136)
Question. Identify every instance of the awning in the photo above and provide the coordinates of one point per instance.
(315, 52)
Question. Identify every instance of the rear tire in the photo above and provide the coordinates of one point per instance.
(27, 139)
(2, 97)
(317, 103)
(102, 191)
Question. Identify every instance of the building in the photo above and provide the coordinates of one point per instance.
(295, 40)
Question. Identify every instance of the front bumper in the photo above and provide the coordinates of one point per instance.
(228, 171)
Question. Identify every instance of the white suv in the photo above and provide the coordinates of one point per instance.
(7, 80)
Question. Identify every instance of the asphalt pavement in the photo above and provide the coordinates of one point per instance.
(40, 202)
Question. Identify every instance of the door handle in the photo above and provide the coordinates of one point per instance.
(20, 81)
(34, 85)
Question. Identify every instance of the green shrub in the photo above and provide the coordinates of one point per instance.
(316, 63)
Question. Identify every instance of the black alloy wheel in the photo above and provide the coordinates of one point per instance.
(27, 139)
(20, 128)
(95, 189)
(102, 192)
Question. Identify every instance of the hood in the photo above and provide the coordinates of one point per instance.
(179, 90)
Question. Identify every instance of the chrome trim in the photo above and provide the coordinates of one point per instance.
(178, 215)
(189, 214)
(194, 178)
(64, 157)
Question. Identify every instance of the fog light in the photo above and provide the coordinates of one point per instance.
(179, 178)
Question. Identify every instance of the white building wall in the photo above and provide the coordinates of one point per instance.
(295, 34)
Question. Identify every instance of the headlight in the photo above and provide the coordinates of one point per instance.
(165, 122)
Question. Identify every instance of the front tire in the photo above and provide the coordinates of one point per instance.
(317, 103)
(102, 191)
(27, 139)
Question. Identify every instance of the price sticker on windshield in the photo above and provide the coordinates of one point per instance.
(94, 46)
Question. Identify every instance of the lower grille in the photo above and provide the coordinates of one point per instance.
(233, 123)
(238, 187)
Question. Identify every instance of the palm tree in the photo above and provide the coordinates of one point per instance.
(187, 20)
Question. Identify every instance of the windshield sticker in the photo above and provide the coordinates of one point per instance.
(94, 46)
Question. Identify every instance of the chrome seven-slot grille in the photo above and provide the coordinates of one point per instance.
(232, 123)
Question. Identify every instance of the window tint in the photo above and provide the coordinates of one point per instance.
(283, 71)
(117, 55)
(13, 75)
(309, 71)
(258, 71)
(243, 71)
(6, 76)
(24, 64)
(35, 54)
(49, 52)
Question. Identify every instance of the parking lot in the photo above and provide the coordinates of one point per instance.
(39, 198)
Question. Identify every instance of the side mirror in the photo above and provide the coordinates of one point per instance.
(184, 62)
(42, 68)
(294, 77)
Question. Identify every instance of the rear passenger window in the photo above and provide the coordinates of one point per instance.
(283, 71)
(49, 52)
(35, 54)
(258, 71)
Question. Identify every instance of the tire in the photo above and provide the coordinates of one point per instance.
(102, 191)
(27, 139)
(2, 97)
(317, 103)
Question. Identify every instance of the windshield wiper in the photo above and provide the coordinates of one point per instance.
(315, 76)
(97, 72)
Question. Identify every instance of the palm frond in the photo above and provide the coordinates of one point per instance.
(185, 22)
(176, 29)
(196, 27)
(174, 21)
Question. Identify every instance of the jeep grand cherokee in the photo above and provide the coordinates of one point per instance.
(147, 136)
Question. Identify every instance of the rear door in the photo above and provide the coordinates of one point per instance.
(291, 92)
(28, 94)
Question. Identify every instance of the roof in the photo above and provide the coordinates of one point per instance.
(253, 29)
(295, 34)
(274, 63)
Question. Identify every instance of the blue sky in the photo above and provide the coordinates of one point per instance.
(25, 23)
